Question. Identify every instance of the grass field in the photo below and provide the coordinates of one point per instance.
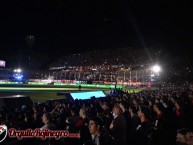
(42, 93)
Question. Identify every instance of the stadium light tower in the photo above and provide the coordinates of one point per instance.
(155, 75)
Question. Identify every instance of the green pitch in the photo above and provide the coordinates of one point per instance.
(45, 92)
(41, 93)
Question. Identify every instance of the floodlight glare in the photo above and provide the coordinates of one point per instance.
(18, 77)
(19, 70)
(156, 68)
(152, 75)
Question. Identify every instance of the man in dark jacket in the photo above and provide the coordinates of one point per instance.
(143, 133)
(82, 125)
(118, 126)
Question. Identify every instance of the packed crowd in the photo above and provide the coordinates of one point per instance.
(161, 117)
(108, 57)
(5, 74)
(85, 66)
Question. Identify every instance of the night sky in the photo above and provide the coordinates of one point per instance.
(63, 27)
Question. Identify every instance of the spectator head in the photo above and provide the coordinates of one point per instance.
(45, 109)
(123, 106)
(150, 102)
(24, 108)
(82, 112)
(189, 137)
(179, 103)
(158, 107)
(190, 96)
(46, 118)
(141, 98)
(74, 111)
(132, 109)
(144, 113)
(95, 125)
(27, 117)
(9, 117)
(157, 100)
(104, 106)
(35, 109)
(183, 136)
(135, 101)
(37, 116)
(117, 111)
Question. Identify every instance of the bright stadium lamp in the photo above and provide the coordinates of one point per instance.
(19, 70)
(156, 68)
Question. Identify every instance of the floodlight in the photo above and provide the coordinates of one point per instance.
(156, 68)
(19, 70)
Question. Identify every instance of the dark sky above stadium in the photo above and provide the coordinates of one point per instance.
(63, 27)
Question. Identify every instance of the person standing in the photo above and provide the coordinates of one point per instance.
(79, 87)
(47, 120)
(98, 134)
(144, 130)
(118, 126)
